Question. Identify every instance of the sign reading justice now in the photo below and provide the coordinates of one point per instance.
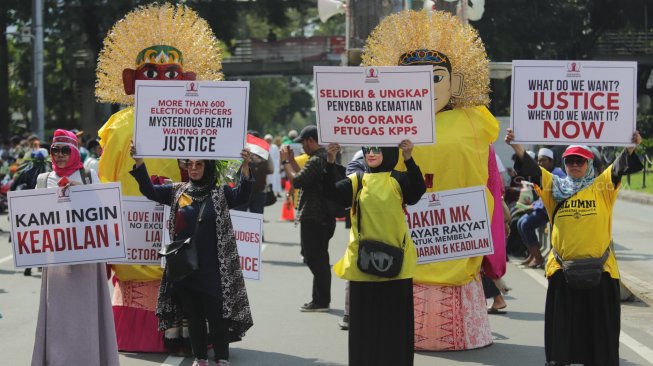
(564, 102)
(191, 119)
(374, 105)
(81, 224)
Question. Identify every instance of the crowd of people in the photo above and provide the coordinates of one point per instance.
(395, 306)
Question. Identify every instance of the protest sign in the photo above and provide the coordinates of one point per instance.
(143, 228)
(574, 102)
(450, 225)
(191, 119)
(72, 225)
(374, 105)
(248, 231)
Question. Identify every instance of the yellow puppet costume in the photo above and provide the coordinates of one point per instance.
(153, 42)
(450, 312)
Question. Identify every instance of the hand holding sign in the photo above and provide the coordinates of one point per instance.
(406, 147)
(132, 152)
(244, 167)
(332, 151)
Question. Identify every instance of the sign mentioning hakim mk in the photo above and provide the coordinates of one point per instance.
(450, 224)
(574, 102)
(80, 224)
(374, 105)
(191, 119)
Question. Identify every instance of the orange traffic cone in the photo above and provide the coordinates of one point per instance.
(288, 208)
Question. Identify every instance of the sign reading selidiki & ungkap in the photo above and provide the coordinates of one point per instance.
(71, 225)
(574, 102)
(450, 224)
(190, 119)
(374, 105)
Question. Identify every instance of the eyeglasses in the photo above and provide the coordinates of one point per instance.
(575, 160)
(372, 149)
(192, 164)
(63, 150)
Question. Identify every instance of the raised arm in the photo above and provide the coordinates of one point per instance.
(413, 185)
(627, 162)
(524, 164)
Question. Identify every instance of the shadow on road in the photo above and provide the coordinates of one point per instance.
(252, 357)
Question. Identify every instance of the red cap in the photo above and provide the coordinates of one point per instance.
(578, 150)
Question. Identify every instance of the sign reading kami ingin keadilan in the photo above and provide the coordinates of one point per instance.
(56, 226)
(574, 102)
(143, 221)
(450, 224)
(374, 105)
(191, 119)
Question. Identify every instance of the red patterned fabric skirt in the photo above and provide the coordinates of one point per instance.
(134, 305)
(450, 318)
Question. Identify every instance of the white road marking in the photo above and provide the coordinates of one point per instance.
(173, 361)
(9, 257)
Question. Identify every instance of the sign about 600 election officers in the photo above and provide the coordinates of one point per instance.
(66, 225)
(450, 225)
(143, 230)
(191, 119)
(374, 105)
(572, 102)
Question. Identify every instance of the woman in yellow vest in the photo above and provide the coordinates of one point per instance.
(380, 308)
(581, 325)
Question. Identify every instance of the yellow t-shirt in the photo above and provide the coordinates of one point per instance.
(583, 225)
(382, 219)
(458, 159)
(301, 161)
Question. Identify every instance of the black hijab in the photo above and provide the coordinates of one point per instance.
(199, 189)
(390, 159)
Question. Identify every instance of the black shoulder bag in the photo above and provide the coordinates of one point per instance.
(375, 257)
(181, 255)
(584, 273)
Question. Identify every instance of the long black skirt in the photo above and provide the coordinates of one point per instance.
(582, 326)
(381, 323)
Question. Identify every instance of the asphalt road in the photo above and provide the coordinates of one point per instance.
(282, 335)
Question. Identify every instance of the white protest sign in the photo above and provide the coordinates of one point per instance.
(56, 226)
(190, 119)
(450, 224)
(248, 230)
(374, 105)
(574, 102)
(143, 221)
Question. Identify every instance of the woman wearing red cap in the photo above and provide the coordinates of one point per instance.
(75, 321)
(581, 320)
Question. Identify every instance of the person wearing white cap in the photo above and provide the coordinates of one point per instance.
(582, 312)
(528, 224)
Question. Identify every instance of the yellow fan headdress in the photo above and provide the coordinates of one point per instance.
(178, 27)
(409, 31)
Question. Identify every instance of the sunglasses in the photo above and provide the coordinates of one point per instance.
(372, 149)
(575, 160)
(192, 164)
(63, 150)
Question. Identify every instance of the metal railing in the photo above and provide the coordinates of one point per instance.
(616, 43)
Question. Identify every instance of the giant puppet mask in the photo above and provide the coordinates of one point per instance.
(156, 63)
(460, 64)
(156, 42)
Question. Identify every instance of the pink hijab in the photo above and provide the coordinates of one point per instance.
(67, 138)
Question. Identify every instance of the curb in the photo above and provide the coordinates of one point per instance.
(636, 197)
